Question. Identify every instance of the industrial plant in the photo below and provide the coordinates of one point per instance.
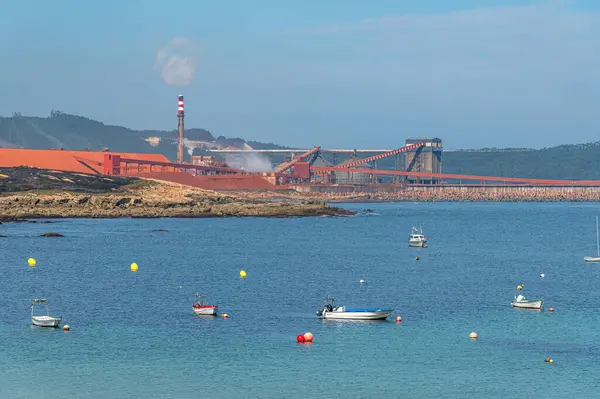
(418, 163)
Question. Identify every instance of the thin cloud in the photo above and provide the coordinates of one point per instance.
(496, 76)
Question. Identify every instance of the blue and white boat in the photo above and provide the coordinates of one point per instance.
(330, 311)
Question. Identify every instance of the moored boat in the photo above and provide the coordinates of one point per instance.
(330, 311)
(594, 258)
(44, 320)
(417, 238)
(201, 308)
(521, 302)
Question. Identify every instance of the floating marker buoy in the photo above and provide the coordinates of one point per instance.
(242, 273)
(133, 267)
(362, 281)
(551, 309)
(300, 338)
(473, 335)
(308, 337)
(416, 258)
(31, 262)
(224, 315)
(66, 327)
(398, 319)
(542, 275)
(548, 360)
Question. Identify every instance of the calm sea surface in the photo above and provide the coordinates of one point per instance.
(134, 334)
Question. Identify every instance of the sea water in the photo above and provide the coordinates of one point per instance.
(135, 335)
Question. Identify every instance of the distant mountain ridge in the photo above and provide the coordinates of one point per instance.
(73, 132)
(61, 130)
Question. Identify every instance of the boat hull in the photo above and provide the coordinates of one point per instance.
(205, 310)
(591, 259)
(417, 244)
(45, 321)
(375, 314)
(528, 304)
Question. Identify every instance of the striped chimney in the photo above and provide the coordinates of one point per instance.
(180, 130)
(180, 105)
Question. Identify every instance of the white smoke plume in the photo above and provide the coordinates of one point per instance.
(189, 146)
(249, 162)
(176, 62)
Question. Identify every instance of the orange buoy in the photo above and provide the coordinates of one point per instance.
(308, 337)
(398, 319)
(473, 335)
(551, 309)
(224, 315)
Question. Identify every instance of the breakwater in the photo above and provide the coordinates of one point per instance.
(449, 193)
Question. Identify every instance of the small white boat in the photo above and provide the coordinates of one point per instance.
(417, 238)
(330, 311)
(594, 258)
(43, 321)
(521, 302)
(202, 309)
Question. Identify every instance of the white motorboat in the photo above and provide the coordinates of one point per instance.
(44, 320)
(202, 309)
(521, 302)
(417, 238)
(330, 311)
(594, 258)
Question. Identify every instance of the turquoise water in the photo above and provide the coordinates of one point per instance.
(134, 334)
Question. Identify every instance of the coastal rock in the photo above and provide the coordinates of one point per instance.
(152, 199)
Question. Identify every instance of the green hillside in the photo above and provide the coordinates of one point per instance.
(571, 162)
(61, 130)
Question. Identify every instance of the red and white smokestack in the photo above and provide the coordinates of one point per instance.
(180, 105)
(180, 138)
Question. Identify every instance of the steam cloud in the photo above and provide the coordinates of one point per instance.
(189, 146)
(249, 162)
(176, 62)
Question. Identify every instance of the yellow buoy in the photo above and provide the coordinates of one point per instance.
(473, 335)
(242, 274)
(66, 327)
(519, 287)
(31, 262)
(134, 267)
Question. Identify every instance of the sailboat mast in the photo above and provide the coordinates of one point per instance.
(597, 242)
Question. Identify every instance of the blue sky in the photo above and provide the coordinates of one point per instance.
(343, 73)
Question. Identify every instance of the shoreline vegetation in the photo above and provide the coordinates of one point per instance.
(27, 193)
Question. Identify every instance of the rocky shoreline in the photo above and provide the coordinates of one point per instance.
(140, 198)
(63, 205)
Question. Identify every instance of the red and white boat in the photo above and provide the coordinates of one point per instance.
(202, 308)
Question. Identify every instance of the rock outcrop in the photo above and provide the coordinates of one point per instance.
(145, 198)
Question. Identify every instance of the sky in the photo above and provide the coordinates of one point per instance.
(335, 73)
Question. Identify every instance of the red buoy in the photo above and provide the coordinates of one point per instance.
(300, 338)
